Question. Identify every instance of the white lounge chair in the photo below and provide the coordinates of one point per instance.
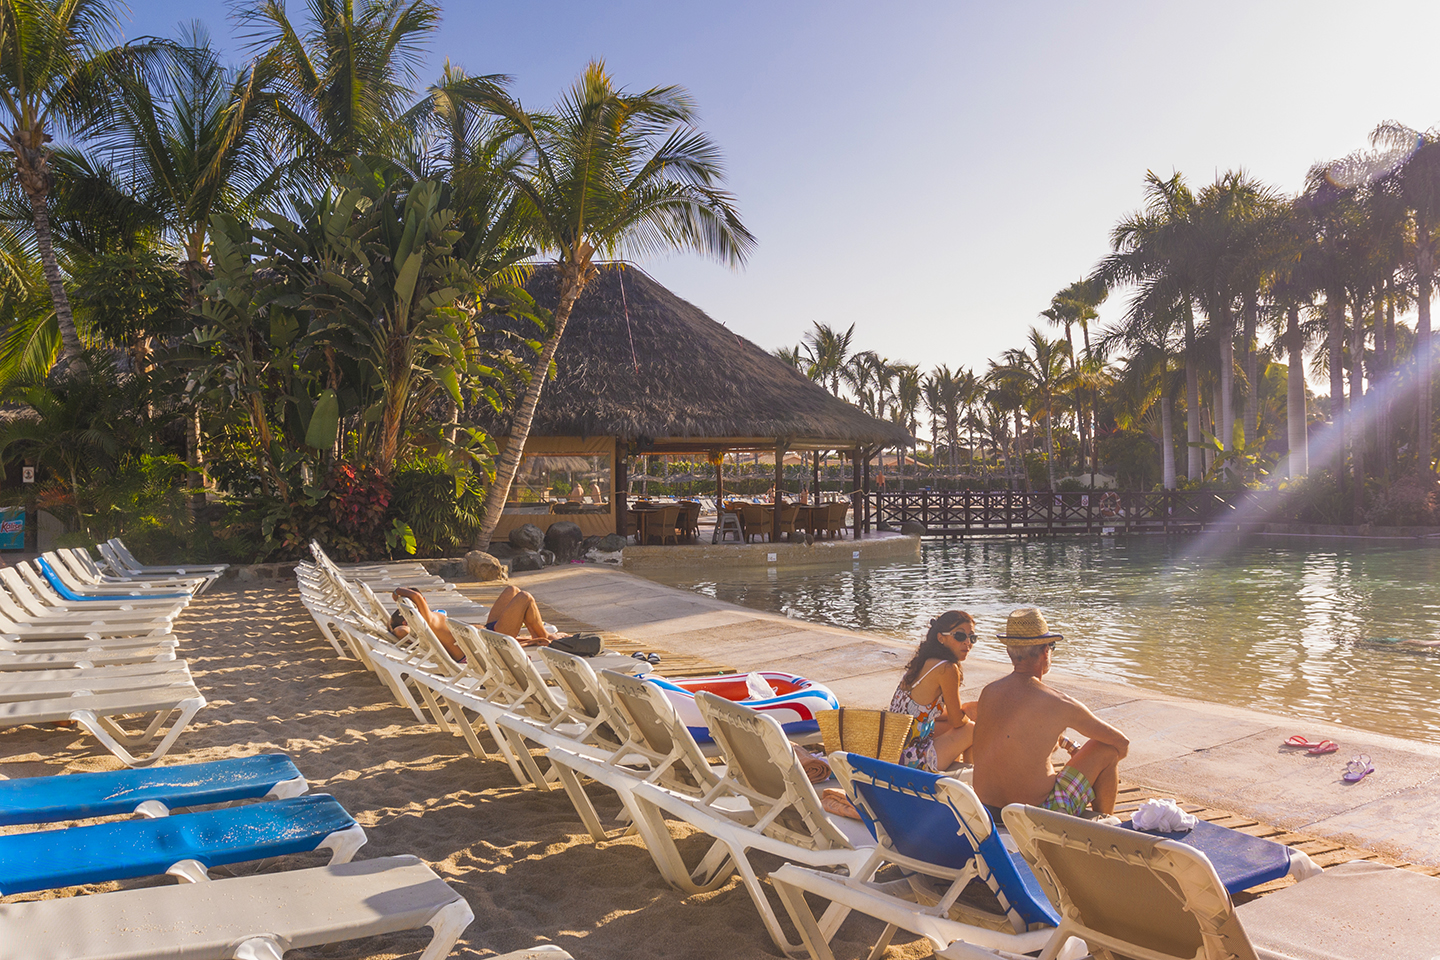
(93, 656)
(785, 817)
(97, 713)
(33, 593)
(87, 571)
(128, 562)
(246, 918)
(1129, 894)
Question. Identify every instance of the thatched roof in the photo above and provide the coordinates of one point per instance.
(685, 377)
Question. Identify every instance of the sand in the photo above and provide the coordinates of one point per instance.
(519, 856)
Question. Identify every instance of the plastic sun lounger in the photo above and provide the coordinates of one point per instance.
(96, 712)
(936, 831)
(84, 568)
(75, 593)
(16, 687)
(786, 818)
(1137, 895)
(130, 563)
(93, 656)
(187, 845)
(152, 793)
(254, 917)
(63, 569)
(43, 605)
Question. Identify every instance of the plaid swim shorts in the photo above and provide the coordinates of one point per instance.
(1071, 794)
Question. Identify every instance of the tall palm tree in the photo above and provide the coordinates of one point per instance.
(1416, 180)
(1156, 250)
(344, 74)
(907, 403)
(829, 351)
(609, 171)
(56, 64)
(1042, 368)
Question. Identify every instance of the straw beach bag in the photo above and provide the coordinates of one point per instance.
(873, 733)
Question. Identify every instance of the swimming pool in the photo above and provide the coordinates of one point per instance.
(1290, 627)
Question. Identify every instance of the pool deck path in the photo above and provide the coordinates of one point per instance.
(1207, 753)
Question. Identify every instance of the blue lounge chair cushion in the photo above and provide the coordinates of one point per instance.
(46, 859)
(1240, 860)
(80, 796)
(922, 827)
(65, 592)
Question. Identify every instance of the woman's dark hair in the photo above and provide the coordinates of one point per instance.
(397, 619)
(931, 648)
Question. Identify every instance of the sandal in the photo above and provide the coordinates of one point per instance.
(1324, 746)
(834, 801)
(1298, 741)
(1358, 769)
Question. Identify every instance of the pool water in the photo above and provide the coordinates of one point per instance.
(1303, 630)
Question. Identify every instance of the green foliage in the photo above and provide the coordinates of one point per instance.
(126, 294)
(440, 505)
(143, 499)
(1131, 455)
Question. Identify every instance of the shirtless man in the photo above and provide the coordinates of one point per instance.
(513, 610)
(1022, 720)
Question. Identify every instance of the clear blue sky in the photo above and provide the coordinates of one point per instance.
(933, 172)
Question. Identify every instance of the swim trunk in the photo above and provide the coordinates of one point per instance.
(1071, 794)
(491, 625)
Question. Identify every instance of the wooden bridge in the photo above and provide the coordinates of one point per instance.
(978, 513)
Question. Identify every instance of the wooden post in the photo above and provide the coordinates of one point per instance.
(815, 499)
(779, 479)
(865, 487)
(855, 493)
(620, 494)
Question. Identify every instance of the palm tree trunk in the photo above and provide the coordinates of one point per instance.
(1225, 409)
(1387, 452)
(1356, 414)
(573, 278)
(1049, 447)
(1424, 265)
(1194, 468)
(70, 349)
(1252, 369)
(1295, 415)
(1167, 439)
(1335, 344)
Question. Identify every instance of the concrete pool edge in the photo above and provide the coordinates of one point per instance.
(1204, 752)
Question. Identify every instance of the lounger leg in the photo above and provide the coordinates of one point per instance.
(437, 712)
(811, 936)
(343, 844)
(762, 905)
(259, 948)
(448, 923)
(877, 951)
(580, 800)
(650, 824)
(96, 727)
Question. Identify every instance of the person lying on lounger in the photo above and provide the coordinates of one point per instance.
(513, 610)
(1021, 721)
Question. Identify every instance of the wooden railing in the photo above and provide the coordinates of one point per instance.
(964, 513)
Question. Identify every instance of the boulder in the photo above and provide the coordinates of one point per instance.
(484, 566)
(610, 543)
(527, 536)
(587, 545)
(547, 557)
(914, 528)
(501, 550)
(564, 538)
(527, 560)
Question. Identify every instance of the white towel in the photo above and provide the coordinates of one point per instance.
(1162, 816)
(758, 687)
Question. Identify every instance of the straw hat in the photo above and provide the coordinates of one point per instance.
(1026, 627)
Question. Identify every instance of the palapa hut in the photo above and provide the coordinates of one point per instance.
(641, 371)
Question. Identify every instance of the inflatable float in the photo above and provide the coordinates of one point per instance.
(792, 700)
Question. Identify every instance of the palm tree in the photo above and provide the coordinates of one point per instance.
(1042, 370)
(1156, 249)
(56, 65)
(907, 404)
(609, 171)
(829, 352)
(344, 78)
(1416, 180)
(1075, 305)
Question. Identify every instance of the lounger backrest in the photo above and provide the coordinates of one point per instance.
(657, 733)
(522, 684)
(430, 645)
(761, 762)
(923, 819)
(584, 698)
(1133, 894)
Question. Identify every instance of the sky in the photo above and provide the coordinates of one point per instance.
(933, 172)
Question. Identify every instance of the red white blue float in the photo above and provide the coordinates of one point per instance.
(792, 700)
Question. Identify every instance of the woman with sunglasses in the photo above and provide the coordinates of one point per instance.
(929, 691)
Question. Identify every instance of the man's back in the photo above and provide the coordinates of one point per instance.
(1020, 719)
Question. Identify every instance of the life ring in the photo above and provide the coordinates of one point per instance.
(792, 700)
(1110, 505)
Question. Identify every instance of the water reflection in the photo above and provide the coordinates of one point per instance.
(1307, 632)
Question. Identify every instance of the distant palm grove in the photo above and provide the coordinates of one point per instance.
(1231, 288)
(250, 305)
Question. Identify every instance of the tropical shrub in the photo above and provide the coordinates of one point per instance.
(441, 507)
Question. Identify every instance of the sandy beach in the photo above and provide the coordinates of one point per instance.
(520, 857)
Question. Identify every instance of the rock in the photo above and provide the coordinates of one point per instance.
(610, 543)
(501, 550)
(914, 528)
(527, 536)
(527, 560)
(547, 557)
(484, 566)
(588, 545)
(564, 538)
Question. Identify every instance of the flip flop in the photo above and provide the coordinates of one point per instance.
(1298, 741)
(652, 658)
(1358, 769)
(1324, 746)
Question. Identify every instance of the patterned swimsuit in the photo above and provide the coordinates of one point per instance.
(920, 751)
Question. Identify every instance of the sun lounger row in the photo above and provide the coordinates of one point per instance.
(251, 917)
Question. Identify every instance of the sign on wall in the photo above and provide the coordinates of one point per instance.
(12, 528)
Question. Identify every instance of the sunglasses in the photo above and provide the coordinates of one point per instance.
(959, 635)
